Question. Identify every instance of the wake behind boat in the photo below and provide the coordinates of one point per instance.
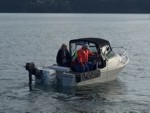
(106, 69)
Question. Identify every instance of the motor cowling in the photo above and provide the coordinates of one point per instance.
(32, 69)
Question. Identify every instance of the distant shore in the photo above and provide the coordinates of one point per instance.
(74, 6)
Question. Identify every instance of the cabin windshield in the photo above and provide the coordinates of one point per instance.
(108, 52)
(93, 47)
(76, 46)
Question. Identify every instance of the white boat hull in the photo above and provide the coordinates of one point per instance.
(110, 72)
(106, 76)
(50, 76)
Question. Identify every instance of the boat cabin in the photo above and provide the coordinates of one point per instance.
(98, 46)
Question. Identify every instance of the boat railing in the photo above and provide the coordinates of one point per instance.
(119, 50)
(122, 52)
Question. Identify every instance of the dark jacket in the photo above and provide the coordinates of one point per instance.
(60, 56)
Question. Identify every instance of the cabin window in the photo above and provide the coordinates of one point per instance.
(76, 46)
(110, 54)
(106, 50)
(93, 47)
(72, 49)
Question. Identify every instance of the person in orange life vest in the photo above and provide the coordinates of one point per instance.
(63, 56)
(82, 58)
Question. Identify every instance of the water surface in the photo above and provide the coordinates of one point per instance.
(37, 38)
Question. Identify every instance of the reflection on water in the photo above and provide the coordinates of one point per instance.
(101, 92)
(88, 99)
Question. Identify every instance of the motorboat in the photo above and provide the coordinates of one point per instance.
(108, 67)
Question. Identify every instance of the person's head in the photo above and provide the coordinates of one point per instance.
(64, 46)
(85, 46)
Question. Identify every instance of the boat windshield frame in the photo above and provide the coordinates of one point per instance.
(98, 43)
(74, 46)
(108, 52)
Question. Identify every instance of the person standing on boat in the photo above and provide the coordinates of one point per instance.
(82, 64)
(63, 56)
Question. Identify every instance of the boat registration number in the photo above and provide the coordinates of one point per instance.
(90, 75)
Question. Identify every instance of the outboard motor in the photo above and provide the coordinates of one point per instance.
(32, 69)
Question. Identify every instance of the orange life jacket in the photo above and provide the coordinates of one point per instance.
(83, 55)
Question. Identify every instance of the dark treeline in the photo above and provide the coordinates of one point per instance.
(75, 6)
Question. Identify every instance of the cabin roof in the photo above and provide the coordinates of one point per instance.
(98, 41)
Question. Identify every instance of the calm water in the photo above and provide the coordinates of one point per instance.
(37, 37)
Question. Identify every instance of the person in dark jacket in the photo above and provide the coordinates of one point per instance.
(63, 56)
